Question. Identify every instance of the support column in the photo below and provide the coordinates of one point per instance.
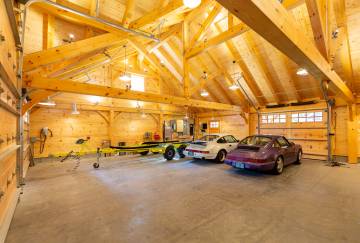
(161, 126)
(352, 134)
(186, 78)
(48, 31)
(111, 127)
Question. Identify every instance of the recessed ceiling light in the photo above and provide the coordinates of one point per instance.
(71, 36)
(302, 72)
(191, 3)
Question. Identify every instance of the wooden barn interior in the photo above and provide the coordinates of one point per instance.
(84, 84)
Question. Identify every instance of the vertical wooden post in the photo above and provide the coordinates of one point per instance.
(185, 39)
(196, 127)
(48, 31)
(352, 134)
(161, 126)
(111, 127)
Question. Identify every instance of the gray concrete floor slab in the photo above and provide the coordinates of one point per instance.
(148, 199)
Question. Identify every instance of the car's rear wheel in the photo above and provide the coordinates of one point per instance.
(220, 157)
(299, 157)
(279, 166)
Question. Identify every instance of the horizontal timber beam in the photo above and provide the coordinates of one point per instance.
(224, 36)
(275, 24)
(232, 32)
(86, 107)
(51, 84)
(64, 52)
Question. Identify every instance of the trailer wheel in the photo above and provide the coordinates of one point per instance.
(169, 153)
(96, 165)
(181, 150)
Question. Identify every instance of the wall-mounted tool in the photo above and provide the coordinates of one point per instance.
(44, 133)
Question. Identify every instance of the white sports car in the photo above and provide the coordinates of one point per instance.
(213, 146)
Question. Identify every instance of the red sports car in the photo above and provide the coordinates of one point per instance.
(264, 152)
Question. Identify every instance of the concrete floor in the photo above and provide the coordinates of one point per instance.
(146, 199)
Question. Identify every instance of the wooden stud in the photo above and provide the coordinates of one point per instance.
(48, 31)
(352, 134)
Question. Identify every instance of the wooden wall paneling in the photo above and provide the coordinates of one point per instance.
(9, 96)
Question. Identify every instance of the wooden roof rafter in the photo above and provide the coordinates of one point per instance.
(267, 19)
(248, 78)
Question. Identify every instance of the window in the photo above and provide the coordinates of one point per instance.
(256, 141)
(137, 83)
(209, 138)
(230, 139)
(214, 124)
(307, 117)
(273, 118)
(283, 142)
(221, 140)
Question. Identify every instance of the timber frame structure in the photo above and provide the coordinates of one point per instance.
(189, 52)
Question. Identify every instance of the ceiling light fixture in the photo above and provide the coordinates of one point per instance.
(234, 87)
(48, 102)
(302, 72)
(125, 76)
(204, 93)
(191, 3)
(74, 109)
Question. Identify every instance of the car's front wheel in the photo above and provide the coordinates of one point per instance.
(220, 158)
(279, 166)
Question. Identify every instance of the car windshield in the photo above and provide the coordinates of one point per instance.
(256, 141)
(209, 138)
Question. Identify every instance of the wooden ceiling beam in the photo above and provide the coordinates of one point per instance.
(206, 24)
(272, 21)
(104, 91)
(232, 32)
(36, 97)
(318, 11)
(129, 9)
(164, 37)
(248, 78)
(343, 36)
(261, 65)
(85, 19)
(156, 14)
(156, 64)
(205, 4)
(71, 50)
(214, 41)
